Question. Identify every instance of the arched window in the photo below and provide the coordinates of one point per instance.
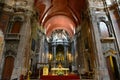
(103, 29)
(15, 26)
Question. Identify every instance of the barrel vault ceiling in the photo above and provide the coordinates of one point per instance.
(60, 14)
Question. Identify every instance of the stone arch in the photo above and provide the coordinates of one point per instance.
(10, 53)
(18, 18)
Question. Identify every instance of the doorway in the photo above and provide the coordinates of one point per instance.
(8, 68)
(112, 67)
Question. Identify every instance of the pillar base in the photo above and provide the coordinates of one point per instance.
(101, 74)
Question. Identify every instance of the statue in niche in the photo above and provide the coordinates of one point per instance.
(60, 57)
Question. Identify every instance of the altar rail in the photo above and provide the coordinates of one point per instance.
(56, 77)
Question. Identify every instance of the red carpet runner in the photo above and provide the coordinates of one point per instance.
(68, 77)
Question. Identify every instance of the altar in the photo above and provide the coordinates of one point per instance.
(59, 71)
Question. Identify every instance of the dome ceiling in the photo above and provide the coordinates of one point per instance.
(60, 14)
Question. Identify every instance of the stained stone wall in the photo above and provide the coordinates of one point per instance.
(110, 19)
(21, 46)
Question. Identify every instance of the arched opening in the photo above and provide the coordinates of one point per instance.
(112, 67)
(103, 29)
(15, 26)
(59, 46)
(8, 68)
(60, 54)
(116, 72)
